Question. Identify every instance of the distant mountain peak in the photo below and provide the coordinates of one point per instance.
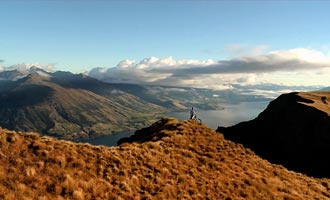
(19, 73)
(37, 69)
(35, 77)
(34, 68)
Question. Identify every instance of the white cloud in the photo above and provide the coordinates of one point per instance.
(239, 50)
(144, 71)
(294, 67)
(126, 63)
(290, 60)
(304, 55)
(24, 67)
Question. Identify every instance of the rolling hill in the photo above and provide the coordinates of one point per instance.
(169, 160)
(293, 131)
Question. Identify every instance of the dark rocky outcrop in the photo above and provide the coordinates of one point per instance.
(294, 130)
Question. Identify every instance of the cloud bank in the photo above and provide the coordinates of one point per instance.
(239, 50)
(276, 67)
(24, 67)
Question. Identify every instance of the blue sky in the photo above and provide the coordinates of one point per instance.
(80, 35)
(211, 44)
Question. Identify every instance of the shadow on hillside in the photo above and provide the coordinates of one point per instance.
(154, 132)
(26, 95)
(288, 133)
(79, 81)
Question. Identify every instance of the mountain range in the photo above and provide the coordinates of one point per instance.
(69, 106)
(76, 106)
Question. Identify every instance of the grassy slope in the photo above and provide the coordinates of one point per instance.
(181, 160)
(316, 97)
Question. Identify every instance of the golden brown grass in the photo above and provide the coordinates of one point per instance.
(321, 100)
(190, 161)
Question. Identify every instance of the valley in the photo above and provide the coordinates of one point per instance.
(77, 107)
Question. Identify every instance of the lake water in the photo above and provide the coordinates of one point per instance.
(230, 115)
(108, 140)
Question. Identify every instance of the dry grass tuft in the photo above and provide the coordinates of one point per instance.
(169, 160)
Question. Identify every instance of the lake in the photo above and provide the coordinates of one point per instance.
(230, 115)
(108, 140)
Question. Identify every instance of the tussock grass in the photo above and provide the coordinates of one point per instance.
(170, 160)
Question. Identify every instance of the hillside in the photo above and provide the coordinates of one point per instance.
(293, 131)
(169, 160)
(70, 106)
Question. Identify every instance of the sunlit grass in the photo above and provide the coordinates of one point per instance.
(182, 160)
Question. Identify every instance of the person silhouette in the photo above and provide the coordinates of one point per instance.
(192, 113)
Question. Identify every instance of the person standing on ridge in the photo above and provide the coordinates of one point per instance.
(192, 113)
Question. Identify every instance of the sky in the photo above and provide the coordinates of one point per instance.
(211, 44)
